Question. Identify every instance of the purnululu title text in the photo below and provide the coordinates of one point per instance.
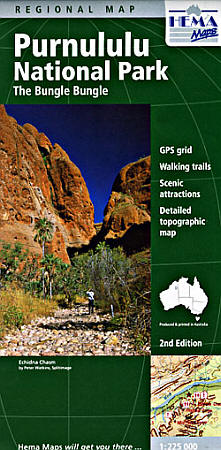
(60, 54)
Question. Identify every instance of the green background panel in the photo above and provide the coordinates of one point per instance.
(184, 110)
(101, 400)
(194, 73)
(194, 251)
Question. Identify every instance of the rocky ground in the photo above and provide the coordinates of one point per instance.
(69, 332)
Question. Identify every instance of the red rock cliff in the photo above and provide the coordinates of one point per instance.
(127, 214)
(38, 180)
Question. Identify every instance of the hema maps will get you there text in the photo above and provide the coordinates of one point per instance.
(110, 225)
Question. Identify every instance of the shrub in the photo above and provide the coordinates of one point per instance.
(12, 316)
(121, 281)
(18, 307)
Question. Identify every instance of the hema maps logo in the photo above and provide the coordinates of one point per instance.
(193, 24)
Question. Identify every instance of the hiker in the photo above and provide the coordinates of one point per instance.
(90, 295)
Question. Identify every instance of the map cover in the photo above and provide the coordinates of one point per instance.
(110, 335)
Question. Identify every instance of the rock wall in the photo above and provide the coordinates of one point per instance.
(127, 214)
(37, 179)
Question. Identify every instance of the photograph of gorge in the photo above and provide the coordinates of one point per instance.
(74, 230)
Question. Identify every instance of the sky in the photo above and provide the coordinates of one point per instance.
(99, 139)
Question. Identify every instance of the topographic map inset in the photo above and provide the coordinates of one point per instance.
(185, 396)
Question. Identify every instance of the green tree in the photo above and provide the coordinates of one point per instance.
(121, 281)
(11, 257)
(43, 233)
(50, 264)
(68, 280)
(29, 275)
(108, 272)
